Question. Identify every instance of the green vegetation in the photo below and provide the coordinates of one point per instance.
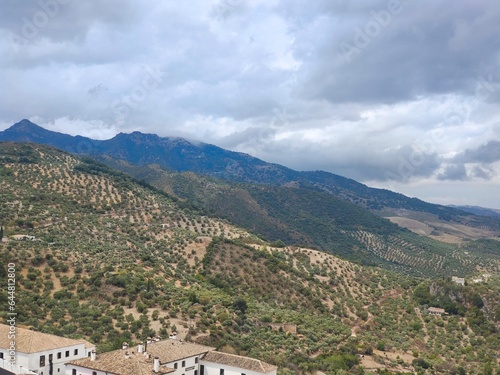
(115, 260)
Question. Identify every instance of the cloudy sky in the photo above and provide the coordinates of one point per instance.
(401, 94)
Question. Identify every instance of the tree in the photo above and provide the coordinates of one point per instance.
(241, 305)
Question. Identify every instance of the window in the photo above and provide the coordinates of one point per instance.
(1, 355)
(183, 363)
(59, 355)
(175, 366)
(94, 372)
(42, 360)
(196, 360)
(73, 372)
(76, 352)
(221, 371)
(195, 372)
(50, 358)
(67, 353)
(202, 370)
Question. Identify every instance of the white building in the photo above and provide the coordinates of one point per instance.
(168, 357)
(458, 280)
(217, 363)
(39, 352)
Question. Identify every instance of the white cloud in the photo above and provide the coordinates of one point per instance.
(269, 78)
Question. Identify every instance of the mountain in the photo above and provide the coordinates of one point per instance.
(476, 210)
(180, 155)
(314, 209)
(103, 256)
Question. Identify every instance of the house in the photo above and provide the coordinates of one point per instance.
(217, 363)
(38, 352)
(436, 311)
(458, 280)
(168, 356)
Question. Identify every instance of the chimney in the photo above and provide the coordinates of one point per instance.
(127, 355)
(140, 348)
(93, 355)
(156, 364)
(125, 346)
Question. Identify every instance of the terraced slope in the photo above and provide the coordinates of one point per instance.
(113, 260)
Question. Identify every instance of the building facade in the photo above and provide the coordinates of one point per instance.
(39, 352)
(168, 357)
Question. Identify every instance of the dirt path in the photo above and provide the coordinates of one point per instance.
(424, 326)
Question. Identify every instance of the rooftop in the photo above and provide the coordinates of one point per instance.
(116, 363)
(239, 361)
(137, 363)
(174, 350)
(436, 310)
(28, 341)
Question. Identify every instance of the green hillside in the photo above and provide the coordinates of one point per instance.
(317, 219)
(113, 259)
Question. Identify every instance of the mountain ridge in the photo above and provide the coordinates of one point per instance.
(23, 131)
(177, 155)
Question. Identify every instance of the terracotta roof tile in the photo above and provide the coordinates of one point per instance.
(137, 364)
(116, 363)
(28, 341)
(239, 361)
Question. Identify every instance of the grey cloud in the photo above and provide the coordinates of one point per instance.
(482, 172)
(487, 153)
(231, 64)
(423, 50)
(454, 172)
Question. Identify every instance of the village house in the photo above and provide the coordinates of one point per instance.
(37, 352)
(169, 356)
(458, 280)
(436, 311)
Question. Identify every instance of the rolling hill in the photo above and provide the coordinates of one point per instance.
(314, 209)
(110, 258)
(180, 155)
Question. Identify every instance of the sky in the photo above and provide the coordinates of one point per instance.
(397, 94)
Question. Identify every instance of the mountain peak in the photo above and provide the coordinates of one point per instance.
(25, 125)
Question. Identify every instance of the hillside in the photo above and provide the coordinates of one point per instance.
(113, 259)
(180, 155)
(315, 218)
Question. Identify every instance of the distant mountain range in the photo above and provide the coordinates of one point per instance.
(476, 210)
(179, 155)
(317, 209)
